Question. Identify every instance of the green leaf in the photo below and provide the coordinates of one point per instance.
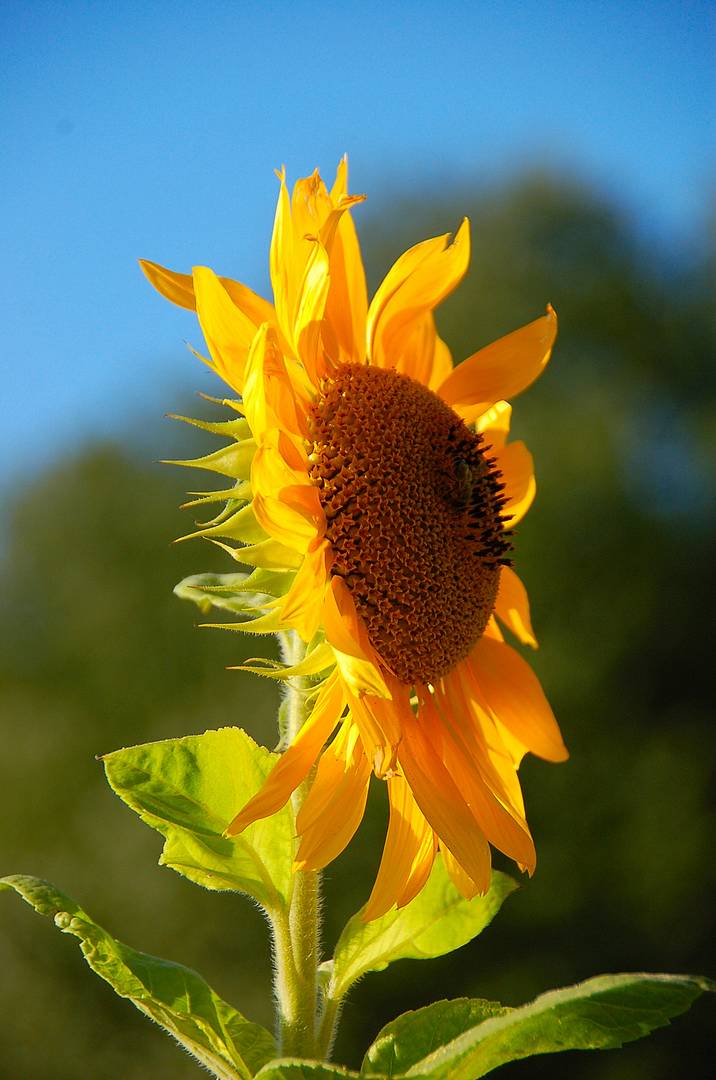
(297, 1069)
(437, 921)
(189, 790)
(413, 1036)
(174, 996)
(463, 1040)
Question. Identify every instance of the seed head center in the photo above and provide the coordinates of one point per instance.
(413, 507)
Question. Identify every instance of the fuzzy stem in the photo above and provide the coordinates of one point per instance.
(296, 932)
(327, 1028)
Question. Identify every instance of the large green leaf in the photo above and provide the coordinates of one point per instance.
(297, 1069)
(463, 1040)
(189, 790)
(437, 921)
(174, 996)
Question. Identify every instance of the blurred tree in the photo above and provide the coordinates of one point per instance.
(96, 653)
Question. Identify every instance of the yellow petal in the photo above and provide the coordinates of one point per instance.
(254, 383)
(303, 603)
(295, 764)
(496, 753)
(355, 657)
(513, 607)
(377, 721)
(440, 800)
(470, 768)
(361, 676)
(347, 304)
(400, 272)
(270, 471)
(515, 463)
(311, 205)
(227, 330)
(492, 629)
(311, 302)
(424, 357)
(179, 288)
(494, 425)
(283, 523)
(282, 260)
(415, 285)
(462, 881)
(340, 620)
(441, 365)
(504, 368)
(511, 691)
(407, 855)
(271, 399)
(333, 809)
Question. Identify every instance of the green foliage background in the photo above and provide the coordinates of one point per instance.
(96, 653)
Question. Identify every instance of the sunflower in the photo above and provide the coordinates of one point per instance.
(374, 493)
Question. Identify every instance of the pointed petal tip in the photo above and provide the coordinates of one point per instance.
(561, 755)
(235, 826)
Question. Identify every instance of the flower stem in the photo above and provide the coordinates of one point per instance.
(327, 1028)
(296, 932)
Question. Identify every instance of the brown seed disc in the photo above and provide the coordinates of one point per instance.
(413, 505)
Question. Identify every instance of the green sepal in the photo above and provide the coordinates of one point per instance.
(174, 996)
(302, 1069)
(240, 493)
(189, 790)
(271, 554)
(227, 590)
(269, 623)
(233, 460)
(241, 525)
(314, 662)
(241, 593)
(234, 429)
(463, 1039)
(436, 922)
(235, 404)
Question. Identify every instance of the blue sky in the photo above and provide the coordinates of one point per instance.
(152, 129)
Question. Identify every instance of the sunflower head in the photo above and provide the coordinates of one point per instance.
(373, 490)
(413, 506)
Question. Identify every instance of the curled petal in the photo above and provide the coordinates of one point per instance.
(513, 607)
(334, 806)
(408, 854)
(504, 368)
(228, 331)
(419, 280)
(441, 800)
(514, 461)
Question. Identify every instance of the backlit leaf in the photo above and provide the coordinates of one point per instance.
(437, 921)
(463, 1040)
(189, 790)
(176, 997)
